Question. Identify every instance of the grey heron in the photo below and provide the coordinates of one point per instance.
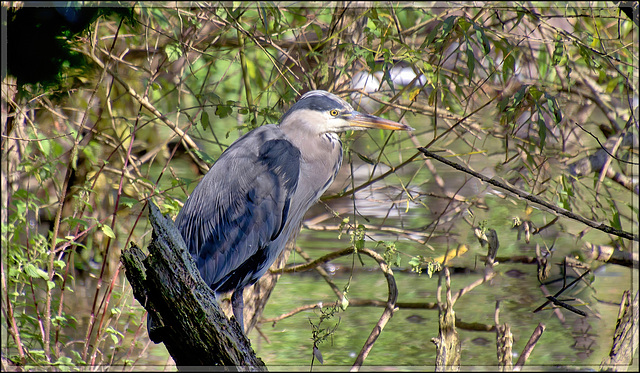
(238, 219)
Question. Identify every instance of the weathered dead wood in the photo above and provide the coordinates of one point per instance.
(448, 344)
(192, 326)
(625, 337)
(504, 342)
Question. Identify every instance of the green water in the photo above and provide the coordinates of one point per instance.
(406, 340)
(405, 343)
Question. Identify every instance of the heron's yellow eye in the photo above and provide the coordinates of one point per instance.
(334, 113)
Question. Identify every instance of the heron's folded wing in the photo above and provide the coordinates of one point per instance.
(240, 206)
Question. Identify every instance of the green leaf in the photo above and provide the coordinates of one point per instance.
(373, 13)
(88, 151)
(416, 264)
(35, 272)
(535, 92)
(74, 222)
(464, 24)
(78, 357)
(173, 52)
(64, 360)
(542, 131)
(108, 231)
(127, 201)
(448, 24)
(558, 57)
(433, 267)
(74, 158)
(471, 60)
(553, 108)
(508, 67)
(366, 159)
(345, 302)
(223, 111)
(520, 94)
(482, 39)
(502, 104)
(204, 156)
(318, 30)
(204, 120)
(615, 217)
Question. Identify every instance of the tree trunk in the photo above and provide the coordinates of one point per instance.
(192, 326)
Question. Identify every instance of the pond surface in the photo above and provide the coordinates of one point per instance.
(405, 343)
(406, 340)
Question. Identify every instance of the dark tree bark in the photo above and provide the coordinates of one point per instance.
(625, 338)
(192, 326)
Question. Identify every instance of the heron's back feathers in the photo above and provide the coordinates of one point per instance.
(240, 208)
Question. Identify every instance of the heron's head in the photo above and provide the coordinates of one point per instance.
(322, 112)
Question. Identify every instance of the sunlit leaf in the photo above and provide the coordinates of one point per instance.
(35, 272)
(107, 231)
(345, 302)
(173, 51)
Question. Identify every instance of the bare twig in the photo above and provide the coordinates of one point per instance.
(486, 277)
(372, 303)
(147, 105)
(528, 348)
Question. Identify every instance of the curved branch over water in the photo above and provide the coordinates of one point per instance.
(391, 300)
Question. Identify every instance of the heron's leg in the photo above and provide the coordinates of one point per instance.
(237, 303)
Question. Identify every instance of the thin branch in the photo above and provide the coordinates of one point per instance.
(368, 303)
(386, 314)
(602, 227)
(528, 348)
(615, 147)
(147, 105)
(486, 277)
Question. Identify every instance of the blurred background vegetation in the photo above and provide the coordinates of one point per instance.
(105, 108)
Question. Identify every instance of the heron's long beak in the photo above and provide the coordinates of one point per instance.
(357, 119)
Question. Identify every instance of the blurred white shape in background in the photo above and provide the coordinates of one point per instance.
(401, 75)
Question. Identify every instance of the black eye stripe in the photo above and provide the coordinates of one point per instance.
(319, 101)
